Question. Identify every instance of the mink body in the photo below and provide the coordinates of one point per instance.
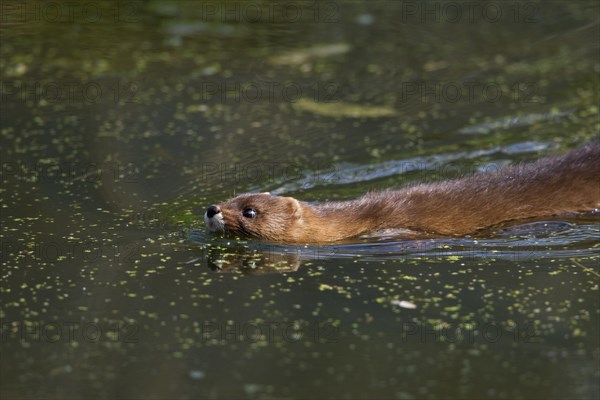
(549, 186)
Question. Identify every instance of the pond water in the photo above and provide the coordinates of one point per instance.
(122, 121)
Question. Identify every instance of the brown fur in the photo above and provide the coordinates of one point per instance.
(554, 185)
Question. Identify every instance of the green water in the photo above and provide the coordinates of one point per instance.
(122, 121)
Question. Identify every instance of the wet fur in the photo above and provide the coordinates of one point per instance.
(554, 185)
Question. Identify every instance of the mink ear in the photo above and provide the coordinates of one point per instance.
(296, 208)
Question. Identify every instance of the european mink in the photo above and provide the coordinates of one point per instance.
(553, 185)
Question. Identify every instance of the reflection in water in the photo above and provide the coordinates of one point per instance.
(249, 261)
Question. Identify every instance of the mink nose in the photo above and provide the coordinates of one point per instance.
(211, 211)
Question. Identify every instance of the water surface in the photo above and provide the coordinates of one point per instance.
(118, 126)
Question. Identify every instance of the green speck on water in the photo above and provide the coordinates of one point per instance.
(408, 277)
(452, 308)
(347, 110)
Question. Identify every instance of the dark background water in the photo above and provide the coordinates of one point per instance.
(119, 120)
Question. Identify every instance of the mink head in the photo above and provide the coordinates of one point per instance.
(257, 215)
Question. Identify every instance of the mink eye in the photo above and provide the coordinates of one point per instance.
(249, 213)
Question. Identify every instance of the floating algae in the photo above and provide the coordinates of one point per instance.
(302, 55)
(347, 110)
